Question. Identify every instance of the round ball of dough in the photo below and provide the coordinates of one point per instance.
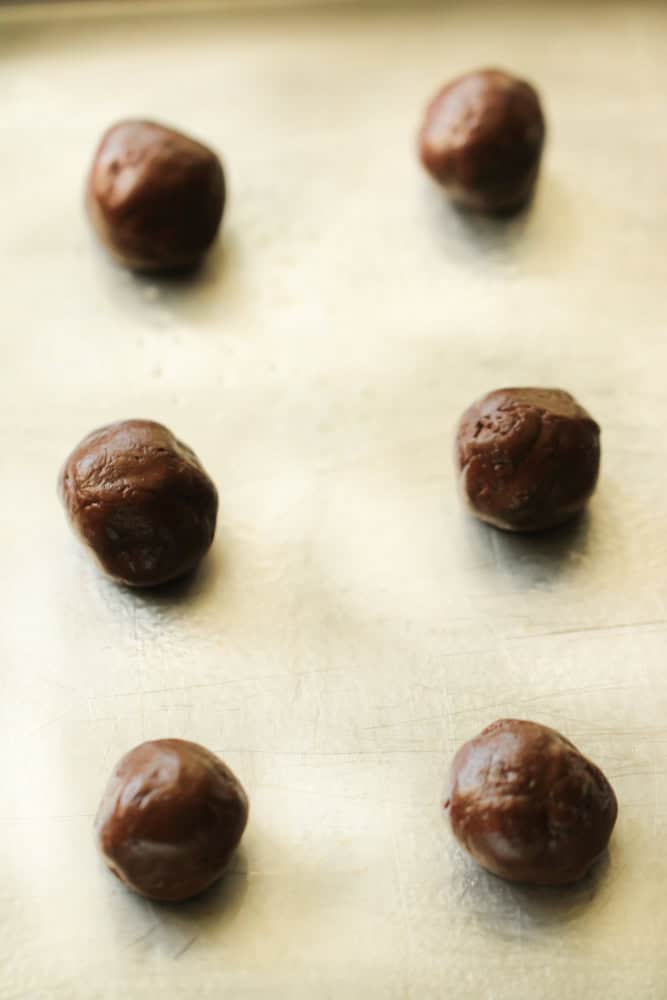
(528, 806)
(528, 458)
(482, 140)
(141, 500)
(170, 818)
(155, 196)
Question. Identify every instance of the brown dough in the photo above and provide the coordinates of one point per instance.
(528, 458)
(170, 818)
(482, 140)
(155, 196)
(141, 500)
(528, 806)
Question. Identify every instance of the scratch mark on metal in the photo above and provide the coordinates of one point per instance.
(185, 947)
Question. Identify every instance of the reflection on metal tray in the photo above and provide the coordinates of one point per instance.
(352, 625)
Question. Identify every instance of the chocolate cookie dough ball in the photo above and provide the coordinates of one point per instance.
(528, 458)
(528, 806)
(140, 499)
(155, 197)
(170, 818)
(482, 139)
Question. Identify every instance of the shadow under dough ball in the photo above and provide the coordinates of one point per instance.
(155, 196)
(141, 500)
(170, 818)
(528, 458)
(482, 140)
(528, 806)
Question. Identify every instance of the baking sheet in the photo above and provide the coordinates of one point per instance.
(352, 625)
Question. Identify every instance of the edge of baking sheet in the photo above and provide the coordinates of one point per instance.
(15, 11)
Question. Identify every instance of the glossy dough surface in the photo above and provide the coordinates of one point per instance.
(141, 500)
(528, 458)
(170, 818)
(482, 140)
(155, 196)
(528, 806)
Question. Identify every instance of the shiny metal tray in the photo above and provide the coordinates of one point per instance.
(352, 625)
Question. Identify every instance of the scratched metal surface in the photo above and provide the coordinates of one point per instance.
(352, 624)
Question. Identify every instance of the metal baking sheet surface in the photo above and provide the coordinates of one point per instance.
(352, 625)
